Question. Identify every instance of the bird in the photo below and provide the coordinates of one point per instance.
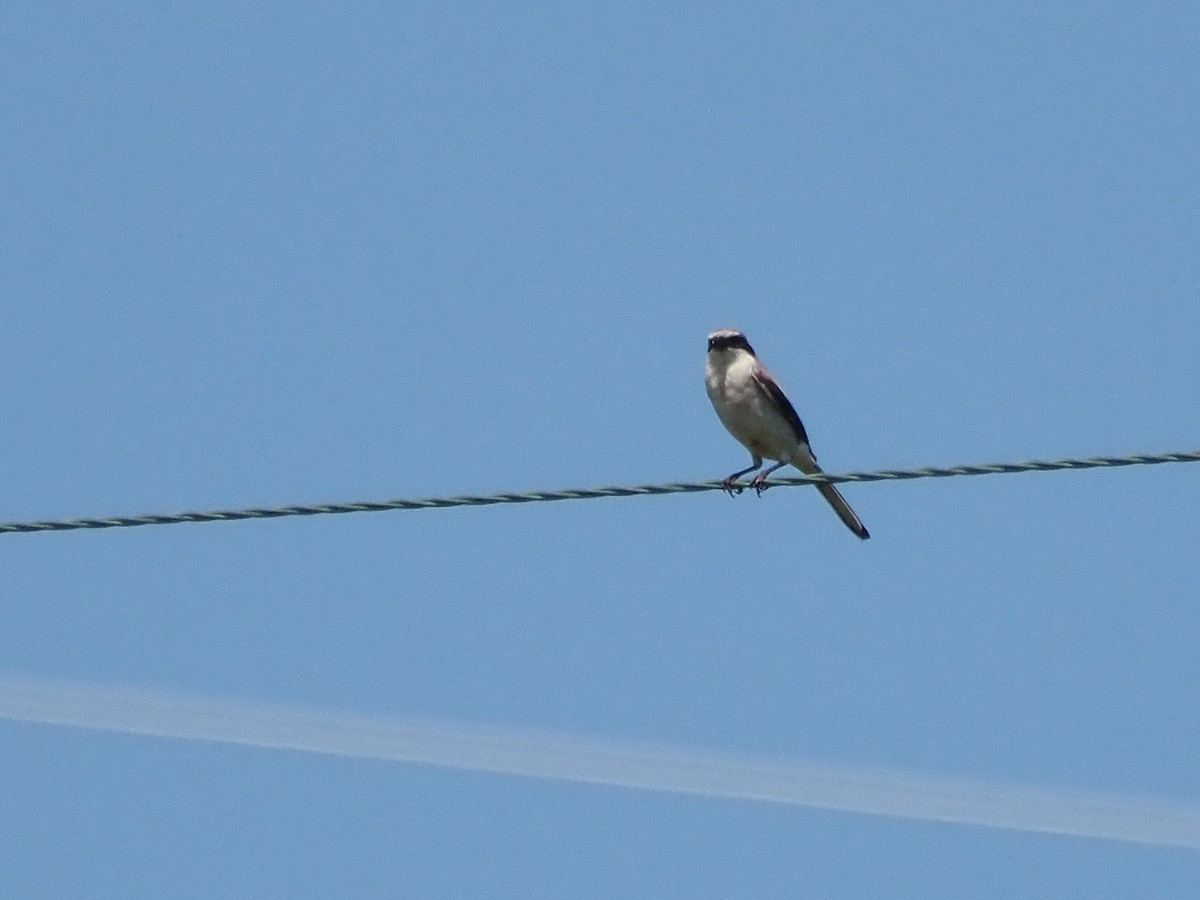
(754, 409)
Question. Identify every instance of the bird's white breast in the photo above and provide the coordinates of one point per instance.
(744, 408)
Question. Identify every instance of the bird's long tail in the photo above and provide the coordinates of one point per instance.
(834, 498)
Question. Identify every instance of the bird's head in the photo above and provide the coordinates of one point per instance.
(728, 339)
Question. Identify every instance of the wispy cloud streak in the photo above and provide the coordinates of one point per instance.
(853, 789)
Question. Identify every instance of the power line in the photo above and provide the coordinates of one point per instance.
(647, 490)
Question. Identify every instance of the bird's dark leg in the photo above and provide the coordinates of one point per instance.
(728, 485)
(760, 481)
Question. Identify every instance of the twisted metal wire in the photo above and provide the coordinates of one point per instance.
(647, 490)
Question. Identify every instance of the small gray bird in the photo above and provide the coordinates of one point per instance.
(751, 404)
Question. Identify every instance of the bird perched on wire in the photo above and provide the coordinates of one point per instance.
(752, 406)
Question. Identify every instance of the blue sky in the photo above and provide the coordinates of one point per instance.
(295, 253)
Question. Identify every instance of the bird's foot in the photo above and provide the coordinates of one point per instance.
(760, 485)
(731, 487)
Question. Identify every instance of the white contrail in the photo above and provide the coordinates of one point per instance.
(856, 789)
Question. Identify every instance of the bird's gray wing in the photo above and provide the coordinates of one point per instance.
(769, 386)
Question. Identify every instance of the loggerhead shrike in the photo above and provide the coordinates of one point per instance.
(751, 404)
